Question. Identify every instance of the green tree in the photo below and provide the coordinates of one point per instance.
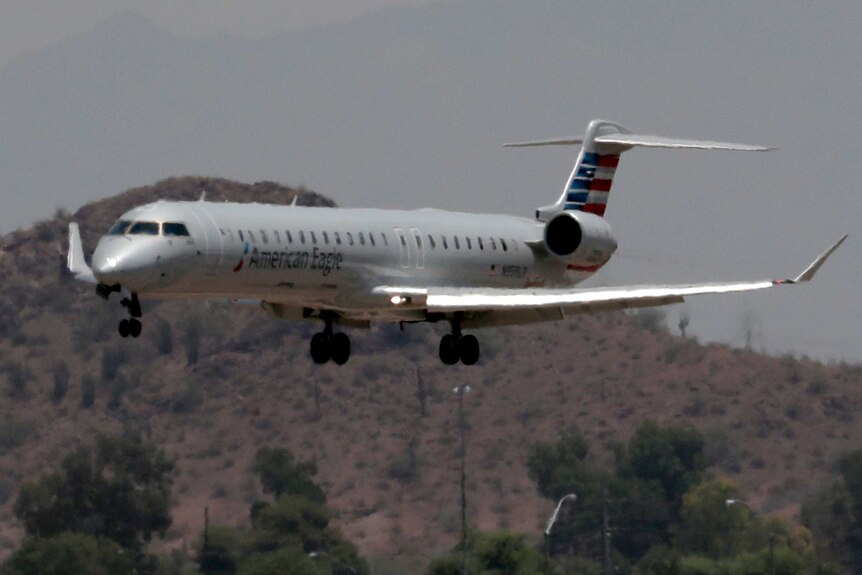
(834, 515)
(296, 522)
(710, 527)
(670, 458)
(66, 553)
(501, 553)
(287, 561)
(280, 473)
(220, 555)
(119, 489)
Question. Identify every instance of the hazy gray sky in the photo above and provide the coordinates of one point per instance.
(33, 25)
(406, 107)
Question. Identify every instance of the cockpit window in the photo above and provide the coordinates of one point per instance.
(174, 229)
(144, 229)
(119, 228)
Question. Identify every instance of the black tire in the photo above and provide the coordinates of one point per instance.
(135, 328)
(320, 348)
(469, 347)
(449, 349)
(124, 328)
(340, 346)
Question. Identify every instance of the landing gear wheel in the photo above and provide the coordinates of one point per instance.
(321, 348)
(340, 346)
(134, 328)
(448, 349)
(124, 328)
(469, 348)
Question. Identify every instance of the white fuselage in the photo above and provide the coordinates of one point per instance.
(332, 258)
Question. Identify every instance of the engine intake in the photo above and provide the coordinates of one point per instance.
(580, 238)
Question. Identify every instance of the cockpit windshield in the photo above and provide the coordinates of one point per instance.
(144, 229)
(170, 229)
(167, 229)
(119, 228)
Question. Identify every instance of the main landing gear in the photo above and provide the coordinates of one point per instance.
(455, 346)
(326, 345)
(132, 326)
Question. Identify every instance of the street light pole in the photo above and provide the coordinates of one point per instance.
(550, 525)
(729, 502)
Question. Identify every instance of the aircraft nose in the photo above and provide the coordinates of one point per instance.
(115, 263)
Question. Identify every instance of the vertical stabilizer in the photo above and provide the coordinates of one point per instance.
(589, 184)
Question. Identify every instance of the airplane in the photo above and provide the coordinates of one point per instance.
(351, 267)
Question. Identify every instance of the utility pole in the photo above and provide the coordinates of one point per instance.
(606, 534)
(461, 390)
(772, 553)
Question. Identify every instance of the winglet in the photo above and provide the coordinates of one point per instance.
(809, 272)
(75, 260)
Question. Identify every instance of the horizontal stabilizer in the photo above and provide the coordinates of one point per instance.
(642, 141)
(560, 142)
(637, 140)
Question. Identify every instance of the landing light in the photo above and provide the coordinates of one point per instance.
(398, 300)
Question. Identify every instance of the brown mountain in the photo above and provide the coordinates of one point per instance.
(212, 382)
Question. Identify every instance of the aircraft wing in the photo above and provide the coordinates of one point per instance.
(506, 306)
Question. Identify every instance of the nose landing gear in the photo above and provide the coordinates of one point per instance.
(455, 346)
(132, 326)
(326, 345)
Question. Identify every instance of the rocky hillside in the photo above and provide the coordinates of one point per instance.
(212, 382)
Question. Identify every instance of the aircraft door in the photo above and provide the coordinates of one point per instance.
(420, 252)
(214, 242)
(405, 247)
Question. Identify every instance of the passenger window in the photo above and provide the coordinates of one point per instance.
(119, 228)
(457, 243)
(326, 238)
(302, 237)
(313, 238)
(289, 236)
(503, 243)
(337, 238)
(403, 241)
(263, 237)
(418, 241)
(173, 229)
(385, 240)
(361, 239)
(493, 243)
(277, 236)
(144, 229)
(514, 245)
(445, 243)
(349, 238)
(371, 238)
(431, 242)
(241, 238)
(251, 236)
(469, 243)
(481, 245)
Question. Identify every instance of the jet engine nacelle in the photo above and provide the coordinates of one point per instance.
(580, 238)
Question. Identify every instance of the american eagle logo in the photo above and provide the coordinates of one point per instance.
(242, 259)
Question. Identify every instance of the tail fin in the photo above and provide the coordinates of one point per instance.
(589, 185)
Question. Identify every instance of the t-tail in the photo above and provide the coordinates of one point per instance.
(589, 185)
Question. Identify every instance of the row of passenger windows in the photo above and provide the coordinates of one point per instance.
(168, 229)
(302, 237)
(350, 239)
